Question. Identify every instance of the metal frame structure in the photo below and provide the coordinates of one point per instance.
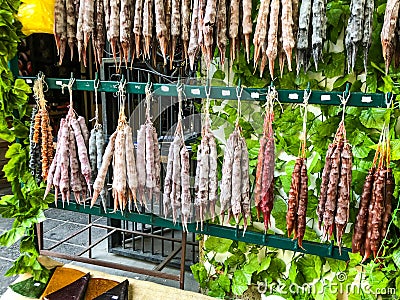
(234, 233)
(225, 93)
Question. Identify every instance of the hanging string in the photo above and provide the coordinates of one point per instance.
(207, 89)
(96, 111)
(306, 97)
(69, 86)
(343, 100)
(179, 127)
(38, 91)
(271, 98)
(121, 98)
(387, 134)
(148, 101)
(239, 91)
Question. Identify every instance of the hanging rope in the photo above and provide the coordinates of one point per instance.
(303, 138)
(239, 91)
(148, 101)
(69, 87)
(97, 125)
(38, 91)
(121, 98)
(271, 98)
(179, 127)
(207, 90)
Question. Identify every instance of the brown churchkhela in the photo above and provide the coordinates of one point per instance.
(334, 199)
(296, 216)
(41, 137)
(375, 206)
(264, 189)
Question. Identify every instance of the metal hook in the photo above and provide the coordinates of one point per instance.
(239, 89)
(96, 82)
(388, 99)
(149, 84)
(347, 91)
(179, 85)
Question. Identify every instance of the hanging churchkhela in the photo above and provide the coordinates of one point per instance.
(177, 179)
(370, 229)
(206, 180)
(130, 26)
(120, 149)
(334, 198)
(275, 34)
(389, 41)
(298, 193)
(312, 22)
(96, 148)
(264, 182)
(359, 31)
(70, 169)
(148, 157)
(41, 149)
(235, 187)
(204, 25)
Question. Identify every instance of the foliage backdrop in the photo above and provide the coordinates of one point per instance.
(229, 268)
(26, 205)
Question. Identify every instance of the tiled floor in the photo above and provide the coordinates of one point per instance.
(58, 225)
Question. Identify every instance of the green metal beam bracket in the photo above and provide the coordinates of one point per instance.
(232, 233)
(224, 93)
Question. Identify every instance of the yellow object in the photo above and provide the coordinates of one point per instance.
(36, 16)
(62, 277)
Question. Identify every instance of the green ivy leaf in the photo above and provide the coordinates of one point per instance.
(341, 81)
(293, 272)
(371, 82)
(377, 280)
(325, 292)
(266, 261)
(219, 74)
(336, 64)
(240, 282)
(20, 130)
(219, 245)
(396, 257)
(252, 265)
(224, 283)
(397, 286)
(12, 236)
(374, 117)
(276, 268)
(306, 265)
(355, 259)
(279, 212)
(200, 274)
(395, 149)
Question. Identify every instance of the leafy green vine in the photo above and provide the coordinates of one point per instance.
(26, 205)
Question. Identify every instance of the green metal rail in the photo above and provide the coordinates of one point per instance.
(218, 92)
(232, 233)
